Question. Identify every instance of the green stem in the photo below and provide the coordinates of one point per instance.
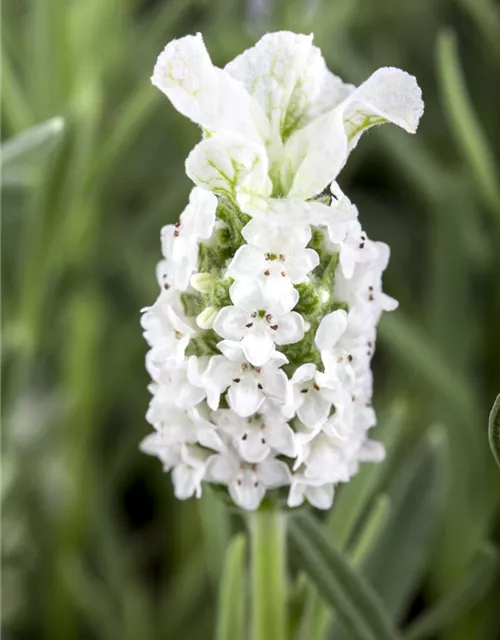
(268, 571)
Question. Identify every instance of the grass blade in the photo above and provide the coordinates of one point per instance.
(357, 605)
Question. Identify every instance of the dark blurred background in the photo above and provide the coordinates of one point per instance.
(94, 544)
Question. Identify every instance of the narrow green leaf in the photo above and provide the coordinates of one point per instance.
(357, 605)
(494, 430)
(321, 618)
(232, 595)
(464, 122)
(372, 530)
(351, 505)
(460, 600)
(24, 155)
(397, 561)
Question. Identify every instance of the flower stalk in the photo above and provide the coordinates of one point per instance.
(268, 573)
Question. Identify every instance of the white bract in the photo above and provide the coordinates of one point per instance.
(262, 336)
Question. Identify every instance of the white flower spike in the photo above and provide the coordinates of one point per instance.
(262, 336)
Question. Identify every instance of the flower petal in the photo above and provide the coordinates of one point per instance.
(186, 480)
(288, 77)
(314, 156)
(222, 468)
(320, 497)
(230, 165)
(314, 410)
(246, 492)
(275, 383)
(273, 473)
(281, 438)
(389, 95)
(276, 237)
(199, 215)
(230, 323)
(186, 75)
(232, 350)
(300, 264)
(252, 446)
(274, 71)
(247, 263)
(247, 296)
(290, 329)
(258, 347)
(304, 373)
(244, 397)
(205, 94)
(217, 378)
(331, 327)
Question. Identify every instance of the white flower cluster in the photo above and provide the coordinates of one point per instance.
(262, 335)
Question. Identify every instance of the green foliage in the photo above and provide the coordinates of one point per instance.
(356, 604)
(93, 544)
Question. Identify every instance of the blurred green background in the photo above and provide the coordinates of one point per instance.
(94, 544)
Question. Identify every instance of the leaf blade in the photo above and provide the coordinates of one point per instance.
(465, 125)
(397, 561)
(24, 154)
(357, 605)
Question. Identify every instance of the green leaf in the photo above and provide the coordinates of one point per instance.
(460, 600)
(357, 605)
(372, 530)
(464, 122)
(494, 430)
(351, 505)
(24, 155)
(398, 560)
(232, 595)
